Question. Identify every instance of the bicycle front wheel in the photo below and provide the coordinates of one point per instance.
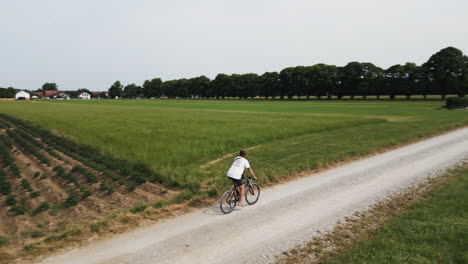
(228, 202)
(252, 193)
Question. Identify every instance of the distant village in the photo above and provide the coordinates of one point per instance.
(14, 94)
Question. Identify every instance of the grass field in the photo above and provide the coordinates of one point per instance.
(431, 231)
(181, 139)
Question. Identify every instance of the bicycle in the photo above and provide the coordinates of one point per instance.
(231, 197)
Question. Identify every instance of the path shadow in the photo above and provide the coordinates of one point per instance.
(213, 209)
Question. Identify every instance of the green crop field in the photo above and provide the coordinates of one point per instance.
(192, 142)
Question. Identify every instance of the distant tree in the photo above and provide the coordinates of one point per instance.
(9, 92)
(269, 84)
(394, 80)
(198, 86)
(49, 87)
(74, 94)
(152, 88)
(236, 84)
(446, 70)
(300, 85)
(370, 74)
(247, 85)
(322, 80)
(350, 77)
(116, 89)
(175, 88)
(83, 90)
(132, 91)
(221, 85)
(288, 82)
(463, 89)
(411, 79)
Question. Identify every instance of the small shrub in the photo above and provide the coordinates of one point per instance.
(44, 176)
(58, 170)
(105, 187)
(72, 200)
(184, 196)
(193, 187)
(35, 194)
(138, 208)
(212, 192)
(131, 186)
(25, 184)
(3, 241)
(159, 204)
(85, 192)
(36, 233)
(29, 247)
(98, 226)
(456, 102)
(195, 202)
(19, 210)
(33, 234)
(53, 211)
(36, 174)
(41, 208)
(5, 186)
(11, 200)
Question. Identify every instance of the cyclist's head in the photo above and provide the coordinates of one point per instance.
(242, 153)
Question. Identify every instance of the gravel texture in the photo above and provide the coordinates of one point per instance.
(285, 215)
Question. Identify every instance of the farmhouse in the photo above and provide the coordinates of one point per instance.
(84, 95)
(57, 95)
(22, 95)
(100, 95)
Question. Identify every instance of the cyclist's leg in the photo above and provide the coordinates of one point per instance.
(241, 187)
(241, 194)
(239, 183)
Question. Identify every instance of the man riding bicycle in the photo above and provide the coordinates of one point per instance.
(236, 172)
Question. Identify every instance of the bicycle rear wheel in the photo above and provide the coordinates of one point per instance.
(228, 202)
(252, 193)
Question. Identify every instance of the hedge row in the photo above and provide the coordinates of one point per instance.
(456, 102)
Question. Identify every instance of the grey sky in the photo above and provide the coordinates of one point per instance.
(92, 43)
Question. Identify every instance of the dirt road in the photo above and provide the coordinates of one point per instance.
(285, 215)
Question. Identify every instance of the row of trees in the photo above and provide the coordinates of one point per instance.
(446, 72)
(7, 92)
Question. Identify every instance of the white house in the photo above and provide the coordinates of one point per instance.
(22, 95)
(84, 95)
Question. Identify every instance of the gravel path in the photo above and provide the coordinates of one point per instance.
(285, 215)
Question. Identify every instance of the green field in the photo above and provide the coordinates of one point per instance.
(177, 138)
(432, 231)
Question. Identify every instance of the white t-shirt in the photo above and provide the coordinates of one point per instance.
(237, 168)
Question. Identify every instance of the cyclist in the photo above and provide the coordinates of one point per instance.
(236, 172)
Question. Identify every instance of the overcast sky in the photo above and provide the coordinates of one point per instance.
(92, 43)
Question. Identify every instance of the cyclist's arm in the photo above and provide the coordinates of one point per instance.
(252, 173)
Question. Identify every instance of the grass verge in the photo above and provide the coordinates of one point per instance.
(427, 223)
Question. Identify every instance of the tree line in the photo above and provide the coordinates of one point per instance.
(446, 72)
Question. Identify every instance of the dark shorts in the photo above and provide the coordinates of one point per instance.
(236, 181)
